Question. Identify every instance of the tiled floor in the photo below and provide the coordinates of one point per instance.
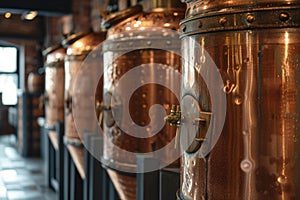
(21, 178)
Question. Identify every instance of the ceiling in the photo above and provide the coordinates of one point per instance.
(44, 7)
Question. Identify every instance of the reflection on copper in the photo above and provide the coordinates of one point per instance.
(248, 163)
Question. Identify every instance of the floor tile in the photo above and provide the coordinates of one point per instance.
(23, 194)
(21, 178)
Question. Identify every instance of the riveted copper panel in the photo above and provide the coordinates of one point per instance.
(54, 85)
(135, 42)
(257, 154)
(124, 183)
(78, 49)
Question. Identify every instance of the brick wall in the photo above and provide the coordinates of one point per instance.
(57, 28)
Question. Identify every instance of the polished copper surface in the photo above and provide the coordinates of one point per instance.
(118, 17)
(199, 7)
(54, 84)
(167, 4)
(77, 51)
(140, 103)
(124, 183)
(128, 46)
(257, 155)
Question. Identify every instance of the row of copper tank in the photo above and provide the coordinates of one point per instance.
(234, 71)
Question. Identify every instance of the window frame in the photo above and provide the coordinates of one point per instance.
(17, 72)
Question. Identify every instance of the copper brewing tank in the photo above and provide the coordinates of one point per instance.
(255, 48)
(138, 40)
(36, 82)
(78, 47)
(54, 84)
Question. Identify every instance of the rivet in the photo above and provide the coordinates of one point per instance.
(284, 16)
(223, 21)
(250, 18)
(183, 28)
(200, 24)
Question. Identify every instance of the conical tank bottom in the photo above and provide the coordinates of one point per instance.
(124, 183)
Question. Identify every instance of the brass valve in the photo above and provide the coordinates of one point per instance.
(174, 118)
(101, 108)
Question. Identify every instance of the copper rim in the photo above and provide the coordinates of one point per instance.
(114, 19)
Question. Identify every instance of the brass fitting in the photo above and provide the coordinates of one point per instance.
(174, 118)
(101, 107)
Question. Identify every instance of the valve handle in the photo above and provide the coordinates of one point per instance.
(101, 108)
(177, 138)
(174, 118)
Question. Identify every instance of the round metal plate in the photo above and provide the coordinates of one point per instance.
(190, 111)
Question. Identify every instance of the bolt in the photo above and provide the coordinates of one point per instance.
(223, 21)
(200, 24)
(284, 16)
(183, 28)
(250, 18)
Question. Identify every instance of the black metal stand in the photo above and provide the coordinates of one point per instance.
(67, 166)
(73, 188)
(55, 160)
(169, 181)
(156, 185)
(147, 183)
(97, 184)
(64, 178)
(76, 184)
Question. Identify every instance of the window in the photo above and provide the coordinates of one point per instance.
(9, 74)
(8, 57)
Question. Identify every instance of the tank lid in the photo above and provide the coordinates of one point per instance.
(187, 1)
(117, 17)
(72, 38)
(200, 7)
(85, 43)
(51, 49)
(167, 4)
